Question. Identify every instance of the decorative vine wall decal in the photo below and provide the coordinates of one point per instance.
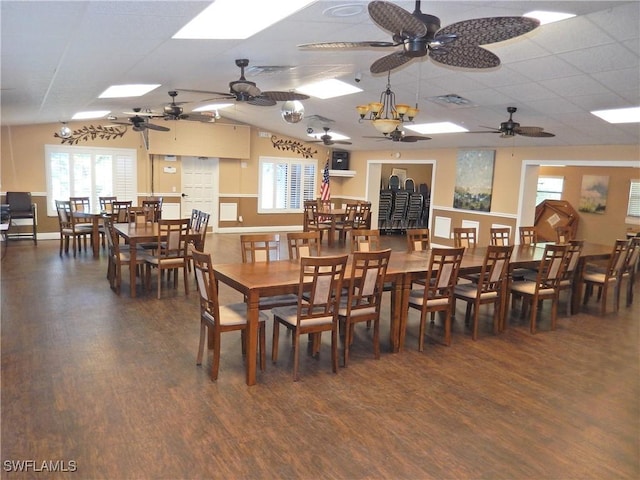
(292, 146)
(85, 133)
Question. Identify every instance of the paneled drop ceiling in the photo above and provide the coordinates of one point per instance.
(57, 57)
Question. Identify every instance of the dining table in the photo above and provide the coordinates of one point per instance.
(262, 279)
(96, 219)
(135, 233)
(331, 217)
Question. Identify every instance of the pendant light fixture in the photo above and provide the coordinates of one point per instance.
(385, 114)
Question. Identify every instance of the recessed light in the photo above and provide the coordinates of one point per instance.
(328, 89)
(90, 114)
(220, 19)
(212, 106)
(548, 17)
(435, 128)
(132, 90)
(619, 115)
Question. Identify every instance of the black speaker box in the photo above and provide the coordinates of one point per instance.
(340, 160)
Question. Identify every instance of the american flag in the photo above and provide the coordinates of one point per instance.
(325, 191)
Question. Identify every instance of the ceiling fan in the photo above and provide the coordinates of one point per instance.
(243, 90)
(327, 139)
(173, 111)
(419, 34)
(510, 128)
(140, 122)
(399, 136)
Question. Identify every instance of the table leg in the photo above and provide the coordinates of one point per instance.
(576, 290)
(95, 237)
(252, 336)
(403, 308)
(396, 303)
(132, 267)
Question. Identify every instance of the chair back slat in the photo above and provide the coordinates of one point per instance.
(464, 237)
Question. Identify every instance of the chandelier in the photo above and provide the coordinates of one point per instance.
(385, 114)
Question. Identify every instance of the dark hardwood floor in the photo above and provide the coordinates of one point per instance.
(110, 384)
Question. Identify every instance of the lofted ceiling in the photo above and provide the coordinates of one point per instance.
(57, 57)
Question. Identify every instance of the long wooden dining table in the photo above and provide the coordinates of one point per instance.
(96, 219)
(256, 280)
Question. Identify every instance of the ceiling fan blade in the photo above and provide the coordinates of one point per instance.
(467, 56)
(389, 62)
(413, 138)
(152, 126)
(332, 45)
(396, 20)
(532, 132)
(217, 95)
(261, 101)
(144, 114)
(198, 117)
(284, 96)
(481, 31)
(341, 142)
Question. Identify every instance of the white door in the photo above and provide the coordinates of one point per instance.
(200, 186)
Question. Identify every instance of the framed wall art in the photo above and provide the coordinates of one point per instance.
(593, 194)
(474, 180)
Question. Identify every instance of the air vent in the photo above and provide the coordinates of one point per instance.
(318, 120)
(256, 70)
(452, 100)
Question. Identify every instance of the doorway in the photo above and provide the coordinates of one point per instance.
(200, 186)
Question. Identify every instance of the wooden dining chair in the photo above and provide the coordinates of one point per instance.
(564, 234)
(365, 240)
(117, 257)
(464, 237)
(198, 225)
(362, 220)
(346, 223)
(216, 319)
(71, 229)
(528, 235)
(316, 310)
(312, 220)
(500, 236)
(418, 240)
(545, 286)
(569, 280)
(631, 267)
(120, 210)
(437, 294)
(106, 204)
(265, 247)
(489, 289)
(364, 296)
(171, 253)
(303, 244)
(611, 276)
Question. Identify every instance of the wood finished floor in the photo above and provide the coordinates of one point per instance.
(111, 383)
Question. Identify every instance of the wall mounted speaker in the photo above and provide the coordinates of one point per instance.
(340, 160)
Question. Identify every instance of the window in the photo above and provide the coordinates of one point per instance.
(284, 184)
(633, 208)
(89, 172)
(549, 188)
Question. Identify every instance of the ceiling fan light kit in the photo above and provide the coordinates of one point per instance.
(386, 115)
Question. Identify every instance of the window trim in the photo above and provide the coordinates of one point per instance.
(633, 203)
(129, 172)
(302, 162)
